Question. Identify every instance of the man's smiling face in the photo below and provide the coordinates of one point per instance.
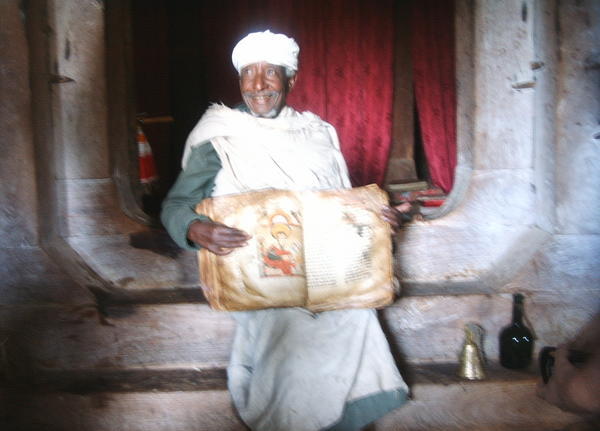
(264, 88)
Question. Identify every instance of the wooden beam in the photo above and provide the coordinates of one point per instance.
(401, 165)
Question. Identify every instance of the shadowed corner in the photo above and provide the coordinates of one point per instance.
(156, 241)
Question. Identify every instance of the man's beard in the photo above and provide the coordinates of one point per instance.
(274, 95)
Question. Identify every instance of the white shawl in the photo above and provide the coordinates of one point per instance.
(294, 151)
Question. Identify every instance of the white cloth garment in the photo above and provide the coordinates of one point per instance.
(294, 151)
(292, 370)
(273, 48)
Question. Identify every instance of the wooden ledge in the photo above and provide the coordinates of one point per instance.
(196, 379)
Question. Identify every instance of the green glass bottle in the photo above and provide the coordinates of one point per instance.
(516, 340)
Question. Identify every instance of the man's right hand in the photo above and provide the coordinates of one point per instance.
(216, 237)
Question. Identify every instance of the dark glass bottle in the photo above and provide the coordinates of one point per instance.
(516, 340)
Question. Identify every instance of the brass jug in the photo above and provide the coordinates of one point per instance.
(471, 357)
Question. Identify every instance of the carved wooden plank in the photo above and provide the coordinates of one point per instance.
(132, 380)
(440, 401)
(420, 329)
(28, 275)
(162, 411)
(490, 406)
(80, 338)
(140, 261)
(82, 382)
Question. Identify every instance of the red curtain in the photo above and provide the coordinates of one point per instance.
(346, 77)
(346, 66)
(432, 46)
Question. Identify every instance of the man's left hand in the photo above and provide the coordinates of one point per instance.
(398, 215)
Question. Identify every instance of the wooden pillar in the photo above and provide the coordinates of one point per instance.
(401, 165)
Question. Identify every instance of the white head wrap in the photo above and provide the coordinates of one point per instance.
(266, 46)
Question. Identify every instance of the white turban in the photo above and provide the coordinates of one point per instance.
(273, 48)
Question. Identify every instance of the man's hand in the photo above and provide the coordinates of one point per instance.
(575, 384)
(397, 216)
(556, 390)
(216, 237)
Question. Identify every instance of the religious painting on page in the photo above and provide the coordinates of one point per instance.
(279, 241)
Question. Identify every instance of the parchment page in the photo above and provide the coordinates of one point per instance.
(347, 249)
(319, 250)
(269, 271)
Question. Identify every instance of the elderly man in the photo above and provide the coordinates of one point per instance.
(290, 369)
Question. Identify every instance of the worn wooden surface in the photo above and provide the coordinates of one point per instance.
(29, 276)
(194, 378)
(401, 164)
(148, 411)
(81, 337)
(143, 260)
(83, 382)
(440, 401)
(493, 406)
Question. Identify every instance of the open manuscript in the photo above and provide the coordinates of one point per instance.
(320, 250)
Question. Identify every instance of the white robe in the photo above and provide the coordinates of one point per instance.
(292, 370)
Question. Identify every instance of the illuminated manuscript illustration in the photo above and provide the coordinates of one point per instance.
(279, 241)
(320, 250)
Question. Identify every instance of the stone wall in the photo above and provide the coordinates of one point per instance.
(524, 216)
(27, 274)
(567, 269)
(527, 176)
(527, 180)
(18, 197)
